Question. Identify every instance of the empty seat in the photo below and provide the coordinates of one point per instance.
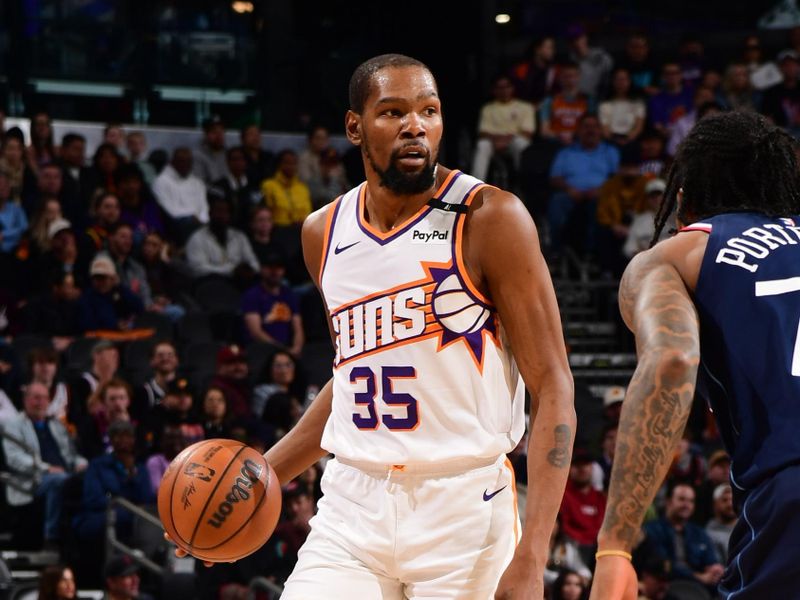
(216, 294)
(194, 327)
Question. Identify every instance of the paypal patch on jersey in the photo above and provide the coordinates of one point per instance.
(748, 298)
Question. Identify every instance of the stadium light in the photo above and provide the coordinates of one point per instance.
(502, 18)
(242, 7)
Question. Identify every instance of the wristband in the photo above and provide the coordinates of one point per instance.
(621, 553)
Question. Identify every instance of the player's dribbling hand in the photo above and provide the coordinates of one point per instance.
(614, 579)
(520, 582)
(180, 552)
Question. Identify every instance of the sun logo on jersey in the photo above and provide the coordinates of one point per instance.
(439, 305)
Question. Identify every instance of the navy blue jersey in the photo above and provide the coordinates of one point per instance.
(748, 299)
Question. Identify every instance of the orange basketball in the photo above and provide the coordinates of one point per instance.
(219, 500)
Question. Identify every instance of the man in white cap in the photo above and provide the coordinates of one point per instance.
(106, 304)
(642, 227)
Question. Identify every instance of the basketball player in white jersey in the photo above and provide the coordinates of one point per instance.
(438, 299)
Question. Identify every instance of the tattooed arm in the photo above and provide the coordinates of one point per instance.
(657, 307)
(502, 242)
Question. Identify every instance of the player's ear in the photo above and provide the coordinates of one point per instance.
(352, 127)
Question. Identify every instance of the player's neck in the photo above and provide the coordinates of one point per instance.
(385, 210)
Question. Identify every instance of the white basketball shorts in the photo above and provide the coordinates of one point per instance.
(409, 532)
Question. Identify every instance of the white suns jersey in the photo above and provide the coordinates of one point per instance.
(422, 373)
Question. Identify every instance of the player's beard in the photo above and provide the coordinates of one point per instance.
(400, 183)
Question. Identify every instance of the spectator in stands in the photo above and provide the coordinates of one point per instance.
(718, 471)
(560, 114)
(763, 73)
(21, 178)
(242, 192)
(331, 181)
(209, 158)
(782, 100)
(111, 402)
(672, 102)
(116, 474)
(692, 59)
(171, 443)
(613, 397)
(564, 555)
(583, 507)
(292, 530)
(308, 161)
(218, 248)
(55, 312)
(106, 214)
(621, 198)
(594, 63)
(57, 582)
(260, 162)
(685, 544)
(164, 362)
(139, 208)
(232, 377)
(63, 257)
(535, 76)
(637, 59)
(166, 276)
(703, 103)
(284, 192)
(76, 186)
(642, 228)
(42, 149)
(105, 163)
(271, 309)
(48, 454)
(214, 414)
(49, 184)
(720, 526)
(576, 175)
(114, 134)
(137, 146)
(122, 580)
(283, 386)
(622, 114)
(181, 194)
(260, 233)
(176, 409)
(608, 445)
(43, 368)
(106, 304)
(688, 464)
(651, 153)
(505, 127)
(656, 573)
(13, 222)
(569, 585)
(105, 362)
(738, 92)
(38, 235)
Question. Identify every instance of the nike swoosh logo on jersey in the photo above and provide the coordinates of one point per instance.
(340, 249)
(487, 496)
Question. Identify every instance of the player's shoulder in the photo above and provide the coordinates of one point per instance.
(493, 206)
(315, 223)
(682, 252)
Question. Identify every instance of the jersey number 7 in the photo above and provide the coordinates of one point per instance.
(775, 287)
(388, 395)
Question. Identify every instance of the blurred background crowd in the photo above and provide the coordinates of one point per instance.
(152, 286)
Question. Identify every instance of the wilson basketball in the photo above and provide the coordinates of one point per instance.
(219, 500)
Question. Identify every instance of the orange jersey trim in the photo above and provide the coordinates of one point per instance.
(458, 248)
(326, 240)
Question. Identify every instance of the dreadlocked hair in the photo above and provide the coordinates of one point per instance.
(733, 161)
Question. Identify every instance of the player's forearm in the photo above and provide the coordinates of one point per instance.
(300, 447)
(552, 432)
(653, 418)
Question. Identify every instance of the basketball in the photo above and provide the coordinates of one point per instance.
(455, 309)
(219, 500)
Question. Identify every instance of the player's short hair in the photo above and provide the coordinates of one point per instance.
(361, 81)
(754, 166)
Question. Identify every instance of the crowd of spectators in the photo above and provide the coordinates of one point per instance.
(166, 302)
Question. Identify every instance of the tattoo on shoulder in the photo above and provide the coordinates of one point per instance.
(559, 454)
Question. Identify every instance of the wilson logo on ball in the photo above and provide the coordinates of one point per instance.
(240, 490)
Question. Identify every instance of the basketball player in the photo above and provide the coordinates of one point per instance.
(717, 307)
(438, 299)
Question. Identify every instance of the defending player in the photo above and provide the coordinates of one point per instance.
(718, 305)
(438, 298)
